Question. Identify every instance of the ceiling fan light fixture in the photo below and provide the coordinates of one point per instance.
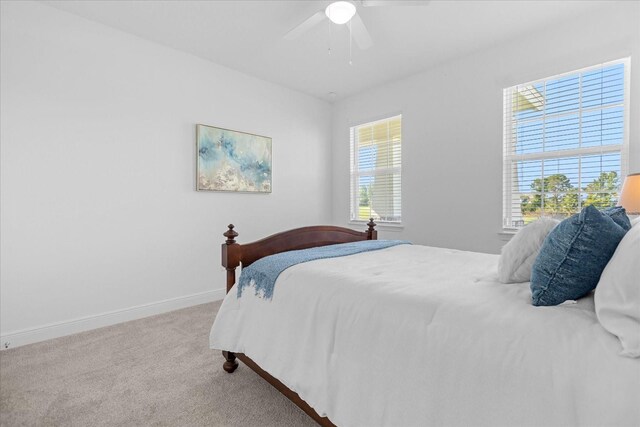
(340, 12)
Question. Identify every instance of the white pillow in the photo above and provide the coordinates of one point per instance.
(617, 298)
(517, 257)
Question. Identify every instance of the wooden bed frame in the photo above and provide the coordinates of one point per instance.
(234, 254)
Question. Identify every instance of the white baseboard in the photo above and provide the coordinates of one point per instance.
(73, 326)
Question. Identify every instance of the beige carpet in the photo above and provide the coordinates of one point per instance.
(154, 371)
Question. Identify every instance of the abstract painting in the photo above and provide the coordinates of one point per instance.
(229, 160)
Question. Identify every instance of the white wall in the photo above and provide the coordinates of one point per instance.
(452, 126)
(98, 208)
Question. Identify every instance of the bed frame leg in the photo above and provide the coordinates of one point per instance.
(230, 363)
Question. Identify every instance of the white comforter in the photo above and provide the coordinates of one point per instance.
(423, 336)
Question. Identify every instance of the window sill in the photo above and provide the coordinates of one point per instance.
(507, 234)
(387, 226)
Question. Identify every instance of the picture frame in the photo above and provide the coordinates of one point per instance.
(232, 161)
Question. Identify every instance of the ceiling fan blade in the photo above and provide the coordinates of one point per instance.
(373, 3)
(360, 33)
(309, 23)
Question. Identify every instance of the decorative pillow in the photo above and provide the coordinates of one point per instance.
(573, 256)
(517, 257)
(619, 216)
(617, 298)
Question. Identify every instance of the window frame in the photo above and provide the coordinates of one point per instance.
(354, 174)
(509, 155)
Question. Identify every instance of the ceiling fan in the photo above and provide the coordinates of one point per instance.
(342, 12)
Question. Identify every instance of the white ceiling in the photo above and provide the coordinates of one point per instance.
(248, 35)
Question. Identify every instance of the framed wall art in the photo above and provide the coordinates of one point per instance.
(230, 160)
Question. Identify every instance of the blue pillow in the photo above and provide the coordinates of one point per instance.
(573, 256)
(619, 215)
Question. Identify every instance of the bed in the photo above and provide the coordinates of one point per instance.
(417, 335)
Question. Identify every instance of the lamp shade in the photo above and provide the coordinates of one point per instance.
(340, 12)
(630, 194)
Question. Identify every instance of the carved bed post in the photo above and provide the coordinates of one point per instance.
(230, 363)
(230, 260)
(230, 255)
(372, 234)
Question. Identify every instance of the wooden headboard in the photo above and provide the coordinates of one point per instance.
(233, 254)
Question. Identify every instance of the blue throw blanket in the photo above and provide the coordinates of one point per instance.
(265, 271)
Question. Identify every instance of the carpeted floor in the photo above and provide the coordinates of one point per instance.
(154, 371)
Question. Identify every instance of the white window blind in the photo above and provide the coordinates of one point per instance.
(376, 170)
(565, 143)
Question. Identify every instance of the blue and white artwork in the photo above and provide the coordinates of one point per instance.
(229, 160)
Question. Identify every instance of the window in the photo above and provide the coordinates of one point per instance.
(376, 171)
(565, 143)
